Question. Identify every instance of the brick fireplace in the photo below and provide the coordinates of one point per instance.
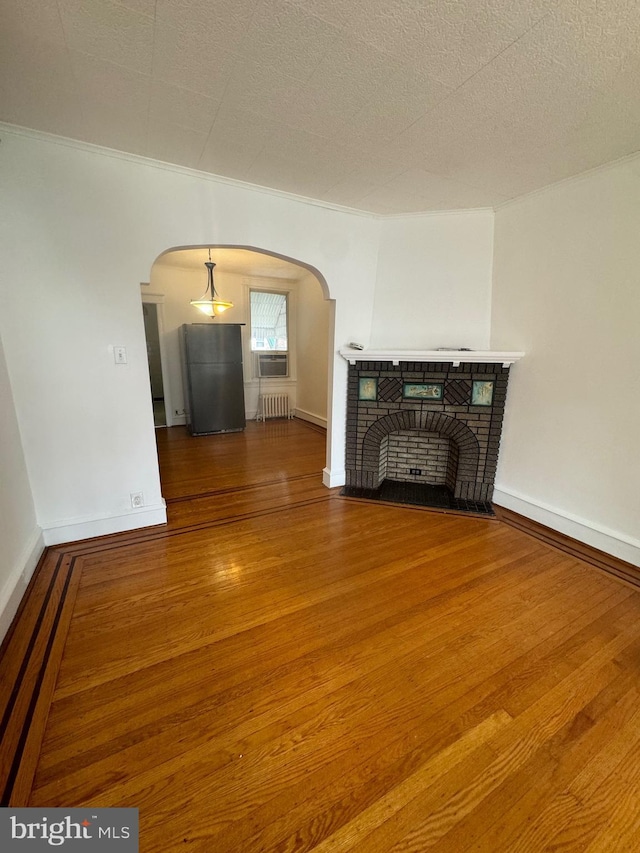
(424, 427)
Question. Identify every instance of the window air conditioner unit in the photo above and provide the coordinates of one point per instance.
(273, 364)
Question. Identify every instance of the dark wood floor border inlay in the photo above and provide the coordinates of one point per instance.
(33, 647)
(125, 540)
(601, 560)
(8, 710)
(26, 711)
(233, 490)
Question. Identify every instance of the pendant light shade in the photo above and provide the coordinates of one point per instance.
(209, 303)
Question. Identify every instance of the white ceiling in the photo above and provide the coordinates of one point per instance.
(388, 106)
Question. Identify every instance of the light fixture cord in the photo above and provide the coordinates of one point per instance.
(210, 285)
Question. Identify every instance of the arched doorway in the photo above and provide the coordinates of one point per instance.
(179, 275)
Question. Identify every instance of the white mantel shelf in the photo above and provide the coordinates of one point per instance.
(455, 357)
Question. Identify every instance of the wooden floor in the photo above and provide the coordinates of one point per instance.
(283, 669)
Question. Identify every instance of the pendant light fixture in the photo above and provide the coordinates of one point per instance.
(209, 303)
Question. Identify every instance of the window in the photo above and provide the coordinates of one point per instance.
(268, 321)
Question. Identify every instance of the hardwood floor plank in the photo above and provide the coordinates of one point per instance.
(193, 466)
(503, 819)
(620, 832)
(453, 709)
(432, 814)
(166, 631)
(570, 820)
(282, 669)
(235, 661)
(361, 657)
(419, 632)
(402, 795)
(350, 713)
(606, 562)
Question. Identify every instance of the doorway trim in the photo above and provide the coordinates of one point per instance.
(157, 299)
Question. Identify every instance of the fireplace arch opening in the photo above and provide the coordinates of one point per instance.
(443, 449)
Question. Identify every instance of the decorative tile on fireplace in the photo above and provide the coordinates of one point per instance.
(390, 389)
(458, 392)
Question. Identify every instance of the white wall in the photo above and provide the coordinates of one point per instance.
(433, 284)
(314, 317)
(82, 228)
(20, 535)
(567, 292)
(71, 295)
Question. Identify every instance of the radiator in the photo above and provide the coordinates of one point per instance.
(273, 406)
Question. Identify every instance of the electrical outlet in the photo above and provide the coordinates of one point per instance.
(120, 355)
(415, 471)
(137, 500)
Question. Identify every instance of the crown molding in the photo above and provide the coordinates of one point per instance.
(140, 159)
(572, 179)
(92, 148)
(43, 136)
(421, 214)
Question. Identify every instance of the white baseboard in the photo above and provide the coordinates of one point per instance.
(18, 580)
(309, 416)
(333, 479)
(87, 528)
(597, 536)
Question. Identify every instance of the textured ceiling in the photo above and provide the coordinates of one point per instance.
(387, 106)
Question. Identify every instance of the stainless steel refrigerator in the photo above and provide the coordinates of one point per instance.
(212, 377)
